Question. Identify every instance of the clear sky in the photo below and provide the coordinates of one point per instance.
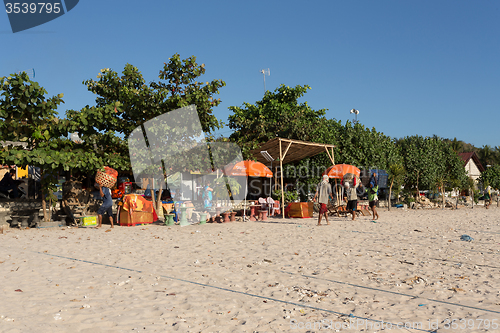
(410, 67)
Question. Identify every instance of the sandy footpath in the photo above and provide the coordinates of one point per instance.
(410, 268)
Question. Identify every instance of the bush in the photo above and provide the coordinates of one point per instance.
(289, 196)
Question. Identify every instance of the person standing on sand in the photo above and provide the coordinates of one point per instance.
(487, 197)
(352, 199)
(373, 199)
(106, 207)
(323, 192)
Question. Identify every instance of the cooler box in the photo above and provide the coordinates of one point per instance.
(88, 221)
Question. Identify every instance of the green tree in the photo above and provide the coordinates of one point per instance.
(491, 176)
(126, 102)
(29, 116)
(365, 148)
(396, 176)
(486, 155)
(429, 159)
(278, 114)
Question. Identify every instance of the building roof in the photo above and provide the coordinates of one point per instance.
(471, 155)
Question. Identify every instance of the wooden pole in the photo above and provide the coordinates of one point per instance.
(282, 190)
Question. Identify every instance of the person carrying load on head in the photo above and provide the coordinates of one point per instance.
(323, 192)
(352, 196)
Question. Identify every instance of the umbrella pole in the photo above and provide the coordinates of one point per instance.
(245, 207)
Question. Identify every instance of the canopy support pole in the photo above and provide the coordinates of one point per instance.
(282, 157)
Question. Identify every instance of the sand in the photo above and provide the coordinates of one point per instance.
(408, 268)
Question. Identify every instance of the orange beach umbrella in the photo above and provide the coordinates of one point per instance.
(340, 170)
(248, 168)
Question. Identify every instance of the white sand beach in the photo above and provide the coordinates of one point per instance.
(409, 268)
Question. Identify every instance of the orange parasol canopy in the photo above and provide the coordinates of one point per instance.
(340, 170)
(248, 168)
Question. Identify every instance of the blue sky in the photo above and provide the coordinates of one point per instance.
(410, 67)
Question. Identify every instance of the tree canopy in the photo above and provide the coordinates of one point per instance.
(126, 102)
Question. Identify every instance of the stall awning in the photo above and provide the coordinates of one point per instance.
(292, 150)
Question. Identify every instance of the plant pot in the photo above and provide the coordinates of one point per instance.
(169, 219)
(226, 217)
(233, 217)
(203, 218)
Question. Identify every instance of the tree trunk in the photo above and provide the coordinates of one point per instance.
(442, 192)
(390, 193)
(44, 207)
(418, 192)
(472, 197)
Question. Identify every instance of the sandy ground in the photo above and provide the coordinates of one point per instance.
(409, 268)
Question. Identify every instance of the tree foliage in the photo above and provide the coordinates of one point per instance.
(126, 102)
(427, 160)
(278, 114)
(491, 176)
(28, 116)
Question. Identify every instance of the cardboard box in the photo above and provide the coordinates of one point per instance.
(88, 220)
(137, 218)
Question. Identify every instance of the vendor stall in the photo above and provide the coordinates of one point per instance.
(136, 210)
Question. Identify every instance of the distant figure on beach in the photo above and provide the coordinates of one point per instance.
(487, 197)
(373, 199)
(323, 193)
(106, 207)
(207, 195)
(352, 198)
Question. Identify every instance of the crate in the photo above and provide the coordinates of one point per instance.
(137, 218)
(88, 220)
(300, 209)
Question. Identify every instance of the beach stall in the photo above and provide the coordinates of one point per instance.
(136, 210)
(290, 151)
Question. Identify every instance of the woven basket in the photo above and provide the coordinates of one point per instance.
(106, 178)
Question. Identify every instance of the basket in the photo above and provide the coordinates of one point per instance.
(106, 178)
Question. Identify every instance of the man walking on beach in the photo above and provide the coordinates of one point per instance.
(106, 207)
(352, 198)
(323, 192)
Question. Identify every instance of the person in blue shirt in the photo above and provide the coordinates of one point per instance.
(207, 196)
(106, 207)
